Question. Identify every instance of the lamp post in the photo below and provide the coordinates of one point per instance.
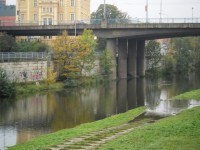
(104, 10)
(75, 17)
(160, 11)
(146, 9)
(192, 13)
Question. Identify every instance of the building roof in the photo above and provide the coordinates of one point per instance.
(7, 10)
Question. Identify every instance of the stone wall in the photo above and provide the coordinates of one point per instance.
(25, 71)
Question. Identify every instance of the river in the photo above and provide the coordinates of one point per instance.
(28, 117)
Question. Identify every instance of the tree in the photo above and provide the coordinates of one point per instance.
(7, 89)
(73, 54)
(33, 46)
(153, 55)
(168, 65)
(106, 62)
(182, 53)
(112, 12)
(51, 77)
(6, 42)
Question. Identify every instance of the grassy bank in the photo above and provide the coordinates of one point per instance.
(46, 141)
(180, 132)
(188, 95)
(31, 88)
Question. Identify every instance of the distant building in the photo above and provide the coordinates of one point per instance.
(2, 2)
(7, 15)
(52, 12)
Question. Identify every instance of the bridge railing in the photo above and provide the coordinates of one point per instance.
(22, 56)
(98, 21)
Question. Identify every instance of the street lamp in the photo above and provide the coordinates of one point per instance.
(160, 11)
(146, 9)
(192, 13)
(75, 17)
(104, 12)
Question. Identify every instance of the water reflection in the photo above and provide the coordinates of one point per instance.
(25, 118)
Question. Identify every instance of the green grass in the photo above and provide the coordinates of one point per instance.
(180, 132)
(31, 88)
(188, 95)
(46, 141)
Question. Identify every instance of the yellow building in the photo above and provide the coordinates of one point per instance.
(52, 12)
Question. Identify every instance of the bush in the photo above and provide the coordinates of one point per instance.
(7, 89)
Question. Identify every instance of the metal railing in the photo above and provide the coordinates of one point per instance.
(23, 56)
(98, 21)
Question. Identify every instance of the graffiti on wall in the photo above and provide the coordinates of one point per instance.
(25, 71)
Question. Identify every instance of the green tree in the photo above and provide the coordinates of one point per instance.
(168, 65)
(112, 12)
(33, 46)
(7, 89)
(6, 42)
(182, 54)
(153, 55)
(106, 62)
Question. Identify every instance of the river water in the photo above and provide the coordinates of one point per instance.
(28, 117)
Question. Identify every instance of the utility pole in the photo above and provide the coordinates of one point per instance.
(160, 11)
(75, 17)
(192, 14)
(104, 12)
(146, 9)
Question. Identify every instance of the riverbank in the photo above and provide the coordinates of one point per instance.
(32, 88)
(46, 141)
(182, 129)
(176, 132)
(180, 132)
(195, 94)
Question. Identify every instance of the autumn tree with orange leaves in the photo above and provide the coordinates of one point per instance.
(72, 54)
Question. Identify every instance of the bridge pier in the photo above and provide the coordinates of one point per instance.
(141, 58)
(111, 46)
(132, 58)
(122, 59)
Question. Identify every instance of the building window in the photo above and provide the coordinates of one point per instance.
(44, 9)
(49, 21)
(51, 10)
(35, 3)
(61, 17)
(22, 17)
(44, 21)
(35, 17)
(72, 3)
(72, 16)
(61, 2)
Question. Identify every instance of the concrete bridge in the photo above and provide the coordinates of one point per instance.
(124, 40)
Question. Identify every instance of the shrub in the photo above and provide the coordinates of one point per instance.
(7, 89)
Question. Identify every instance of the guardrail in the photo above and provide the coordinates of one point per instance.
(25, 56)
(98, 21)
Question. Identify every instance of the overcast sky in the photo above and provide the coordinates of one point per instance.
(136, 8)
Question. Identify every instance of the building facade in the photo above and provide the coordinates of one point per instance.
(2, 2)
(7, 15)
(52, 12)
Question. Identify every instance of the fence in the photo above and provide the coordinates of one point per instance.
(98, 21)
(23, 56)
